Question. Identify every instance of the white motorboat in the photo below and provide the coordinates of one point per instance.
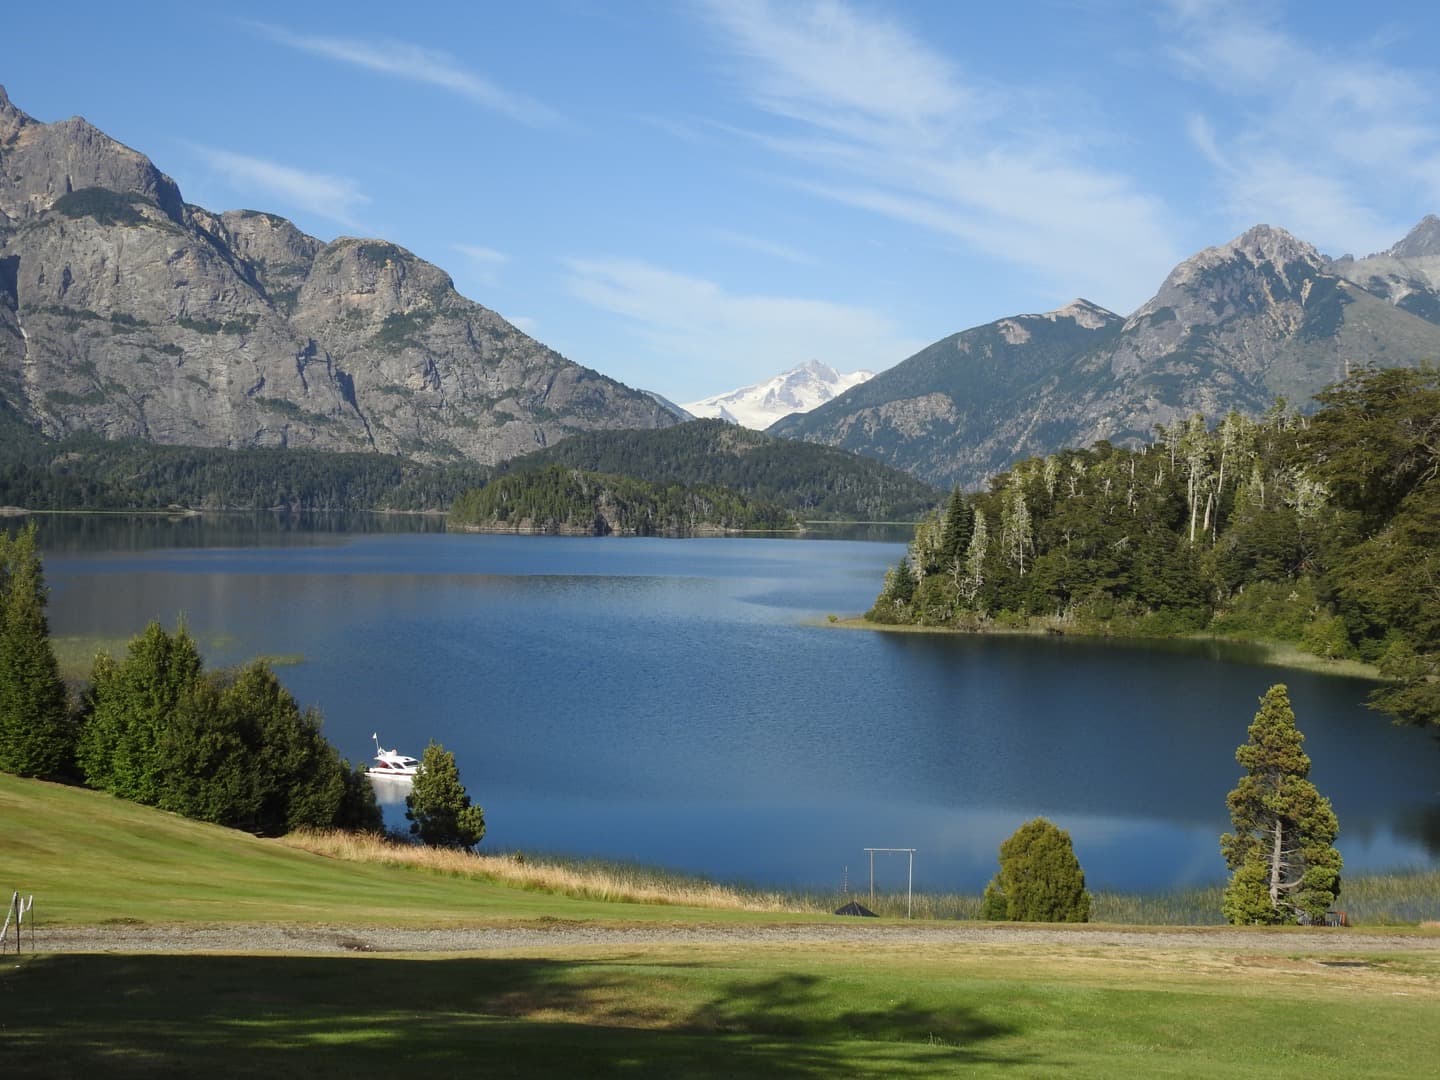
(391, 764)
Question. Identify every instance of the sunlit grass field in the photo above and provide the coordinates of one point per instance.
(90, 857)
(742, 1010)
(1081, 1006)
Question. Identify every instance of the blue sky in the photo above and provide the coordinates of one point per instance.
(693, 195)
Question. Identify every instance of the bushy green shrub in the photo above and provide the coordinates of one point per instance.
(1040, 879)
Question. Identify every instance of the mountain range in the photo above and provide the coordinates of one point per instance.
(761, 404)
(126, 311)
(1234, 327)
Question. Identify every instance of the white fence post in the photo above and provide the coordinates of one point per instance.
(19, 905)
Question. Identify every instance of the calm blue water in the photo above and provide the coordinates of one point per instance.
(682, 702)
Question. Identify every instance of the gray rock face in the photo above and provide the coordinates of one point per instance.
(957, 411)
(1421, 241)
(1233, 327)
(1407, 275)
(127, 312)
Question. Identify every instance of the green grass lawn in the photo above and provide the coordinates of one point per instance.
(89, 858)
(1077, 1008)
(712, 1011)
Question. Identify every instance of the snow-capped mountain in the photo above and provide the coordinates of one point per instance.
(795, 391)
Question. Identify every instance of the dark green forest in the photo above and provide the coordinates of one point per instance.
(1321, 530)
(557, 499)
(86, 472)
(816, 482)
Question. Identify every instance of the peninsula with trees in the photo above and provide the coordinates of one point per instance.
(1322, 531)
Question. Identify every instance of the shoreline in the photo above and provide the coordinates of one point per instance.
(1283, 654)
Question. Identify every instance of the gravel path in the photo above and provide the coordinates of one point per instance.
(327, 939)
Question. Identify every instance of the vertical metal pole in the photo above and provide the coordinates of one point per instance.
(872, 879)
(909, 885)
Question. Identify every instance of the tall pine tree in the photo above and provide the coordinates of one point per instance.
(36, 734)
(131, 704)
(1284, 866)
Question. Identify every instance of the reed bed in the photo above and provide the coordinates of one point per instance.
(1400, 898)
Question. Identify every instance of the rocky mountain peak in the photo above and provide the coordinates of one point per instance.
(11, 119)
(125, 311)
(46, 162)
(1420, 241)
(1266, 243)
(1085, 313)
(1257, 245)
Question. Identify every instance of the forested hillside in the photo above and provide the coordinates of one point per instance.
(557, 499)
(1320, 530)
(814, 481)
(85, 472)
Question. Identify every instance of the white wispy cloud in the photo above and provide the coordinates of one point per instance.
(406, 60)
(707, 333)
(484, 262)
(759, 244)
(523, 323)
(872, 117)
(336, 198)
(1336, 145)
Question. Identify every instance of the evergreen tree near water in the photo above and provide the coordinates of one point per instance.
(131, 703)
(438, 806)
(1283, 863)
(1040, 879)
(36, 734)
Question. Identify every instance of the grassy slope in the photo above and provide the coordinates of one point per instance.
(1078, 1010)
(88, 857)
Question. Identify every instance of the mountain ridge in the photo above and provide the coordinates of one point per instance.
(1236, 325)
(128, 312)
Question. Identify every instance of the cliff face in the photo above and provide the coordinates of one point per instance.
(1233, 327)
(127, 312)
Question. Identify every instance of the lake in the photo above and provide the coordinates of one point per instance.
(684, 702)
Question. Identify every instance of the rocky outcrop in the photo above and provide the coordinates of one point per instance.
(126, 312)
(1233, 327)
(1407, 275)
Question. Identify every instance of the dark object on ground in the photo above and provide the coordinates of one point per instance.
(854, 907)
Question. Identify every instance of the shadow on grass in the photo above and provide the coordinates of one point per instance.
(322, 1016)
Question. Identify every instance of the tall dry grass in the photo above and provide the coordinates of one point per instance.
(1400, 898)
(582, 880)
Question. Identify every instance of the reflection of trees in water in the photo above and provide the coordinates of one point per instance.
(1422, 825)
(1144, 731)
(142, 532)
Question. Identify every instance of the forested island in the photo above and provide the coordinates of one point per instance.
(574, 502)
(1320, 530)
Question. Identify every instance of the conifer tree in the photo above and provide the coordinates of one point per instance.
(1284, 867)
(955, 537)
(36, 734)
(131, 704)
(438, 807)
(1040, 879)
